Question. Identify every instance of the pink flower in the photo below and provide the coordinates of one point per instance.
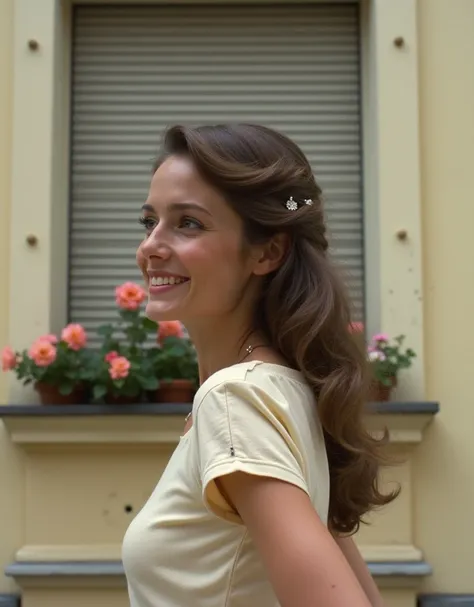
(119, 367)
(75, 336)
(42, 352)
(169, 328)
(380, 337)
(49, 337)
(129, 296)
(9, 360)
(109, 357)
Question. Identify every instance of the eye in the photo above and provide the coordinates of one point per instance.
(188, 223)
(148, 223)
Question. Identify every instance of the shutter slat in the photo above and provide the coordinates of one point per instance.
(138, 69)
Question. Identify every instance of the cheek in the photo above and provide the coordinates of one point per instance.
(140, 258)
(215, 258)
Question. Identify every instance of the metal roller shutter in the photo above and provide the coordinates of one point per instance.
(136, 70)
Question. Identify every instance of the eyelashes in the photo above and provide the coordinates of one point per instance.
(185, 223)
(146, 222)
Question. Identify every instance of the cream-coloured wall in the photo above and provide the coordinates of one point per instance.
(6, 88)
(445, 49)
(444, 478)
(10, 460)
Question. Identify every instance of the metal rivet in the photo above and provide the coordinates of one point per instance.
(399, 42)
(33, 45)
(31, 240)
(402, 234)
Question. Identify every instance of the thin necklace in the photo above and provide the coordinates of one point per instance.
(248, 351)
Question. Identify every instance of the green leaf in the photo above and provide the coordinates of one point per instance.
(65, 388)
(149, 382)
(149, 325)
(130, 315)
(105, 330)
(98, 391)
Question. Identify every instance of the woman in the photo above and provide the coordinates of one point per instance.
(274, 470)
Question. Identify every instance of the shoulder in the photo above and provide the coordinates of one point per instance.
(253, 381)
(248, 398)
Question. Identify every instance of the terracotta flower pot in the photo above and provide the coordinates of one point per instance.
(380, 393)
(110, 399)
(50, 395)
(175, 391)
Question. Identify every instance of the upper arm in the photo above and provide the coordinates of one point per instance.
(238, 430)
(304, 563)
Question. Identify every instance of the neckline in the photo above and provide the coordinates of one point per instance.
(277, 369)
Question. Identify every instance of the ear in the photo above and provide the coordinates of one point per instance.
(270, 255)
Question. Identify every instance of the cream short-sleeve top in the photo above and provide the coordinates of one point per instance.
(188, 547)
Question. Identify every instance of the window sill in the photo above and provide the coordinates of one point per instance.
(31, 425)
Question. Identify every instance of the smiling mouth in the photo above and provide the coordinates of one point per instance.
(161, 281)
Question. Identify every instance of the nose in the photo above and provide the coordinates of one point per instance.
(154, 245)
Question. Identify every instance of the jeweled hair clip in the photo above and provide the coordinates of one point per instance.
(292, 205)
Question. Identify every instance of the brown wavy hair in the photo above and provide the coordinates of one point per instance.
(303, 309)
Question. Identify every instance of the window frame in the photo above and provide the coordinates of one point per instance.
(41, 157)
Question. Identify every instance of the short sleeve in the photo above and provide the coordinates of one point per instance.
(240, 427)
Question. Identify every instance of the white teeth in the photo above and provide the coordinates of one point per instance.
(158, 281)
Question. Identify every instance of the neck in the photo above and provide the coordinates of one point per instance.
(221, 343)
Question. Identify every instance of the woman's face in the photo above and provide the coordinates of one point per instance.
(192, 257)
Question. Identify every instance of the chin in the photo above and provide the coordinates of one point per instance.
(157, 311)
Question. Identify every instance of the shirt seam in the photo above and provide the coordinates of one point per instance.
(258, 463)
(229, 423)
(238, 552)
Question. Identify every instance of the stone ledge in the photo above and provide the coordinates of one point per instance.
(138, 409)
(111, 574)
(390, 407)
(152, 424)
(446, 600)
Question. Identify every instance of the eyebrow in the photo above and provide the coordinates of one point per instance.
(179, 206)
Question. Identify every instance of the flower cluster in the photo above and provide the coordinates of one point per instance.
(134, 355)
(61, 361)
(176, 357)
(387, 358)
(123, 364)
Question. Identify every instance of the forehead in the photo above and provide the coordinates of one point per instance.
(177, 179)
